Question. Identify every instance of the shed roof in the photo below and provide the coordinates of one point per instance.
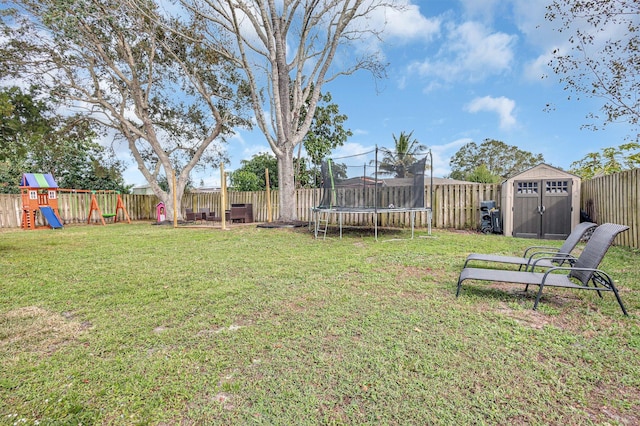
(542, 168)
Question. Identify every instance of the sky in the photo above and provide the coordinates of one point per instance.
(458, 71)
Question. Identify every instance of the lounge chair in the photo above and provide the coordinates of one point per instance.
(553, 256)
(578, 276)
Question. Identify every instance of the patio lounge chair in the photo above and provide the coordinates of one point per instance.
(578, 275)
(553, 256)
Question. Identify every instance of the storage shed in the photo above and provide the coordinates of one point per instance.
(542, 202)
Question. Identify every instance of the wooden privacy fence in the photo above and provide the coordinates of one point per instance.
(454, 206)
(615, 198)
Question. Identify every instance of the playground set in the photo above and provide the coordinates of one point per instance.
(40, 194)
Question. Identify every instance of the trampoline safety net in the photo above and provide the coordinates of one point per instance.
(374, 191)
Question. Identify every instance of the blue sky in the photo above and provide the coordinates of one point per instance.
(459, 71)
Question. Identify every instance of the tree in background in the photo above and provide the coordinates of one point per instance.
(156, 83)
(603, 59)
(500, 159)
(327, 130)
(251, 174)
(481, 174)
(397, 161)
(608, 161)
(287, 51)
(326, 133)
(33, 138)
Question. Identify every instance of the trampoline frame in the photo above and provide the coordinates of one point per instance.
(341, 211)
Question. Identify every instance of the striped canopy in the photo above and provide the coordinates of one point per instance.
(38, 180)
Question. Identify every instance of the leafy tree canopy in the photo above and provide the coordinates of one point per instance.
(398, 160)
(327, 130)
(251, 174)
(498, 158)
(33, 138)
(608, 161)
(326, 133)
(481, 174)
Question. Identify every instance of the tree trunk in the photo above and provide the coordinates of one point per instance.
(287, 187)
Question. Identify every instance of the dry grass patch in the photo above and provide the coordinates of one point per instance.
(36, 330)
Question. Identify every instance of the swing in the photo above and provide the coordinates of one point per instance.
(103, 216)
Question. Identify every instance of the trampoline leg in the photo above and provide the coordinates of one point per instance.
(413, 222)
(375, 225)
(315, 224)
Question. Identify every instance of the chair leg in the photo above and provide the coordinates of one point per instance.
(535, 305)
(459, 287)
(615, 291)
(594, 280)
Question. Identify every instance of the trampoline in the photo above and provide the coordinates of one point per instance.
(373, 195)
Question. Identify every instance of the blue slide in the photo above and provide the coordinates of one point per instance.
(51, 217)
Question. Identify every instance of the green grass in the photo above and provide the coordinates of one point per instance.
(140, 324)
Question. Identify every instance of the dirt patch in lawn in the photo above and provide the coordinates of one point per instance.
(37, 330)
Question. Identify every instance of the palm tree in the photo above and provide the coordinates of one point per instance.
(399, 160)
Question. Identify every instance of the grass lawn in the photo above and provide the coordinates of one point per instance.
(141, 324)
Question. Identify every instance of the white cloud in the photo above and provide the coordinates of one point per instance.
(398, 24)
(502, 106)
(472, 52)
(442, 154)
(538, 68)
(409, 24)
(483, 9)
(360, 132)
(356, 152)
(251, 150)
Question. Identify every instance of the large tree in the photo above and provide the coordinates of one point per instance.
(397, 161)
(287, 50)
(34, 138)
(499, 159)
(155, 82)
(602, 58)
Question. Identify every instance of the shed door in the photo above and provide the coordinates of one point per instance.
(542, 209)
(556, 202)
(527, 220)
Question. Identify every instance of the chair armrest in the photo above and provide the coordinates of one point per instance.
(533, 263)
(554, 255)
(544, 248)
(599, 275)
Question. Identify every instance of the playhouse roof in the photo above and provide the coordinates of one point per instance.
(38, 180)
